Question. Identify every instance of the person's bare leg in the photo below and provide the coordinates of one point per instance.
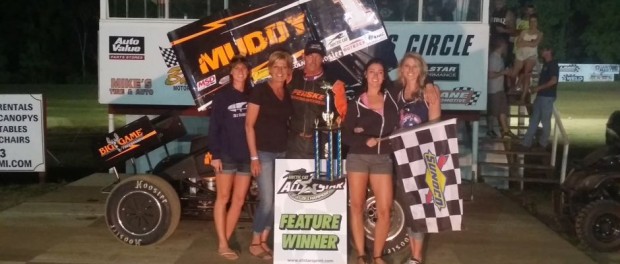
(223, 186)
(416, 247)
(527, 74)
(358, 184)
(518, 66)
(240, 190)
(381, 185)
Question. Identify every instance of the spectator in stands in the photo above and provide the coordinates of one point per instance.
(231, 158)
(502, 24)
(497, 100)
(543, 104)
(266, 126)
(411, 10)
(527, 54)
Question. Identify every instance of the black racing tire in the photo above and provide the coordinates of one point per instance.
(142, 210)
(397, 236)
(598, 225)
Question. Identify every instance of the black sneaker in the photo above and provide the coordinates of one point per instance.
(491, 134)
(509, 135)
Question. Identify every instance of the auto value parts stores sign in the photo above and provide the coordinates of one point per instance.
(21, 133)
(310, 215)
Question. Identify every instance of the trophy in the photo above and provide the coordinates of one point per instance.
(332, 129)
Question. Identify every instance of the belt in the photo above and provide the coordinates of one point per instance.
(306, 136)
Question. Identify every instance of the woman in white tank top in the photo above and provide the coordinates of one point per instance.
(527, 54)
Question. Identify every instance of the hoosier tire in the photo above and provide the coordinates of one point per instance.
(142, 210)
(598, 225)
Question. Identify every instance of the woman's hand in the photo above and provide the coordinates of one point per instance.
(255, 167)
(358, 130)
(371, 142)
(217, 165)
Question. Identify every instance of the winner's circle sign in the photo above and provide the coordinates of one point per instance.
(310, 215)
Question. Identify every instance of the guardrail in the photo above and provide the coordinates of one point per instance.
(554, 148)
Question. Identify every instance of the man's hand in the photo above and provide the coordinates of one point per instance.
(371, 142)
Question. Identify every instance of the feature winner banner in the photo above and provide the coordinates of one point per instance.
(428, 176)
(204, 48)
(457, 57)
(22, 144)
(310, 215)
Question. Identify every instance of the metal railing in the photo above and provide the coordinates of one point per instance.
(554, 148)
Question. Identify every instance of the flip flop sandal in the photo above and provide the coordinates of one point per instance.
(264, 255)
(268, 251)
(229, 255)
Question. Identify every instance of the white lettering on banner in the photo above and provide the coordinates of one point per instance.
(21, 133)
(126, 45)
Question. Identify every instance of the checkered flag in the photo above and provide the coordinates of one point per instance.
(428, 176)
(169, 57)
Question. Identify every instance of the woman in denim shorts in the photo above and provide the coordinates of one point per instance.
(370, 117)
(231, 157)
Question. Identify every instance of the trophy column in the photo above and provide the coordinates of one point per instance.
(333, 131)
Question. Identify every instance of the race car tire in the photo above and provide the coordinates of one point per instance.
(142, 210)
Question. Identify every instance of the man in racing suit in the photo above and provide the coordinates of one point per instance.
(308, 98)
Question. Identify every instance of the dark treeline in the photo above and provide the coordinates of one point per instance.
(55, 41)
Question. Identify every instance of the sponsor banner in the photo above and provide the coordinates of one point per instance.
(22, 146)
(131, 140)
(204, 47)
(310, 215)
(588, 72)
(137, 66)
(457, 58)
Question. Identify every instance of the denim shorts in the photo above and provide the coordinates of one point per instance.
(369, 163)
(230, 166)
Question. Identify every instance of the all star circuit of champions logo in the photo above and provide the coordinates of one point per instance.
(435, 179)
(301, 186)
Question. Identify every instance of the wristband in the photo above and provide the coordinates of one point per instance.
(254, 158)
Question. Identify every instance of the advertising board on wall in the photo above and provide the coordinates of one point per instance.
(22, 144)
(457, 57)
(588, 72)
(310, 215)
(137, 66)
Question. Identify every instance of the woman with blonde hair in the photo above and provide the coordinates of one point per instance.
(266, 127)
(418, 102)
